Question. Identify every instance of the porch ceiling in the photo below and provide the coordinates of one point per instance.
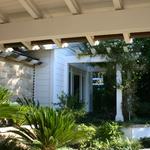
(57, 20)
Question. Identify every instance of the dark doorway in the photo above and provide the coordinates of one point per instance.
(104, 97)
(76, 86)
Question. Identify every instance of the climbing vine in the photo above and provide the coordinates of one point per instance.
(134, 61)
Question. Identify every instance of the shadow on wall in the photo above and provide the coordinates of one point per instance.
(17, 77)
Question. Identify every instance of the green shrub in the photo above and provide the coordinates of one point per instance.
(27, 102)
(90, 134)
(107, 136)
(70, 102)
(145, 142)
(116, 144)
(125, 144)
(7, 110)
(5, 95)
(108, 131)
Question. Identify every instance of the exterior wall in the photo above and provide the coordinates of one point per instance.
(49, 76)
(44, 77)
(59, 72)
(17, 77)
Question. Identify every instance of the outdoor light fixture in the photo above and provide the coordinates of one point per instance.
(9, 49)
(47, 46)
(96, 42)
(23, 48)
(7, 52)
(36, 47)
(64, 45)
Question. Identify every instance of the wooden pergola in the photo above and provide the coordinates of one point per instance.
(36, 22)
(59, 21)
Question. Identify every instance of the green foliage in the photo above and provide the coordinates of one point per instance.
(50, 129)
(90, 134)
(145, 142)
(135, 61)
(70, 102)
(108, 131)
(119, 144)
(106, 137)
(27, 102)
(5, 95)
(8, 111)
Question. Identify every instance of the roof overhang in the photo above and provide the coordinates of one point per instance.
(56, 21)
(95, 24)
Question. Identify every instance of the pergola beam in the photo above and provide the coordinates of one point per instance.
(31, 8)
(87, 59)
(57, 42)
(73, 6)
(118, 4)
(2, 48)
(113, 22)
(127, 37)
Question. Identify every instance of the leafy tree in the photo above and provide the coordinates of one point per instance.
(135, 61)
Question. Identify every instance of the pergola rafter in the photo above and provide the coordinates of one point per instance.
(73, 6)
(31, 8)
(118, 4)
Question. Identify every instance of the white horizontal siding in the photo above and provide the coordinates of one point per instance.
(59, 64)
(49, 77)
(43, 77)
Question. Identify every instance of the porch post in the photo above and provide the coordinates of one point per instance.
(91, 91)
(119, 114)
(66, 78)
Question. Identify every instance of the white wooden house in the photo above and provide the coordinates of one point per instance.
(63, 71)
(27, 22)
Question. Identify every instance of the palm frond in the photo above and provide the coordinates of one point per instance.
(49, 127)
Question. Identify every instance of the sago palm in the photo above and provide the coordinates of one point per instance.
(49, 129)
(7, 110)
